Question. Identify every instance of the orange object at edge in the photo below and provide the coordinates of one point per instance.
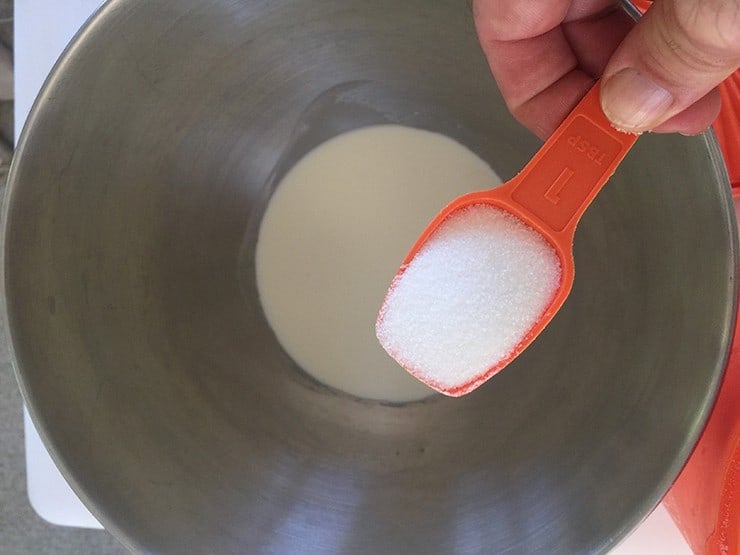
(704, 501)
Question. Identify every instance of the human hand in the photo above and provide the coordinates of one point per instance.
(658, 74)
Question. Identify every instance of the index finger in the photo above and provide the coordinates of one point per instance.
(546, 54)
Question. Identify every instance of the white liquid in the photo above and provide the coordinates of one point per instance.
(468, 298)
(333, 236)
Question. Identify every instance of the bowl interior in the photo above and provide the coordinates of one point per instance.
(147, 363)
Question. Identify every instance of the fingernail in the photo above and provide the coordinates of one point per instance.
(633, 101)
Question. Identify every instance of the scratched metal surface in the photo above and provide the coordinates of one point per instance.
(169, 404)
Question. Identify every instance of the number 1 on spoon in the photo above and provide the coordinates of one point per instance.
(493, 267)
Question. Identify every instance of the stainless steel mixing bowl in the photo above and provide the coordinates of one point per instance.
(146, 360)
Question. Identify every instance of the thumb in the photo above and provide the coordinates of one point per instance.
(669, 64)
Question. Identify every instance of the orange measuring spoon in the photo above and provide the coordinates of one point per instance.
(549, 195)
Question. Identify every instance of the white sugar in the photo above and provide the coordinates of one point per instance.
(468, 297)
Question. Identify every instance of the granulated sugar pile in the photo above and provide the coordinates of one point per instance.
(468, 298)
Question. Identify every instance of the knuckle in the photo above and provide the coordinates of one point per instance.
(507, 21)
(711, 29)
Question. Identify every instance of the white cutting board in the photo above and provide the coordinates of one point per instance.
(42, 30)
